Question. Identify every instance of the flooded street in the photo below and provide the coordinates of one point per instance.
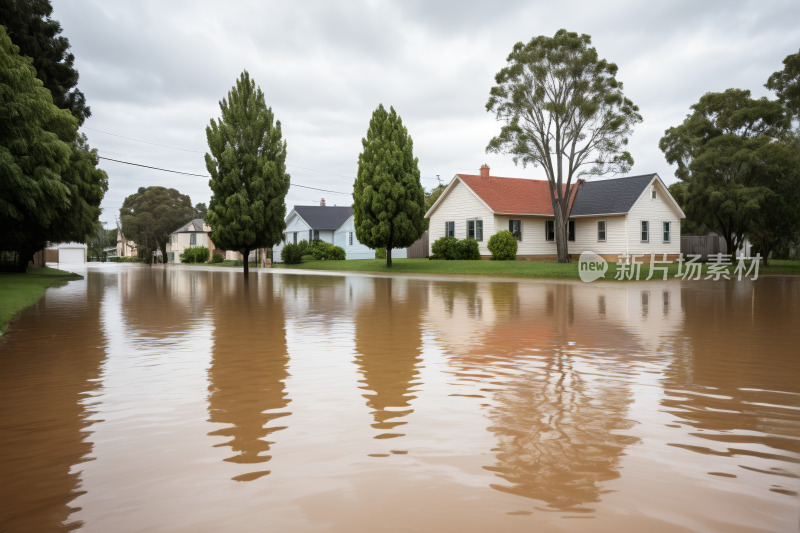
(184, 400)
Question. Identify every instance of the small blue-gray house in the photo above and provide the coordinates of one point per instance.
(333, 224)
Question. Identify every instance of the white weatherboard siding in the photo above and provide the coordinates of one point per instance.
(655, 211)
(534, 241)
(295, 224)
(357, 250)
(458, 206)
(586, 235)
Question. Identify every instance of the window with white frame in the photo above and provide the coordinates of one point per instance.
(295, 237)
(601, 230)
(449, 229)
(653, 193)
(475, 229)
(571, 231)
(350, 238)
(515, 227)
(192, 239)
(667, 226)
(645, 231)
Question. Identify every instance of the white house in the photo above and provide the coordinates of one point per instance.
(194, 233)
(612, 217)
(333, 224)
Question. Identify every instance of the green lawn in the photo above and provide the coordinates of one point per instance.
(523, 269)
(18, 291)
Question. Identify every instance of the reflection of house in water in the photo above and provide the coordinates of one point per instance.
(735, 380)
(388, 341)
(45, 434)
(537, 349)
(247, 390)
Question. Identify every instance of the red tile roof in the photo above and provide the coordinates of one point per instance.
(512, 195)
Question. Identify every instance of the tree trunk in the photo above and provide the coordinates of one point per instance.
(23, 257)
(560, 228)
(765, 254)
(246, 254)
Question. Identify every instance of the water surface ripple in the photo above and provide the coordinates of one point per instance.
(187, 400)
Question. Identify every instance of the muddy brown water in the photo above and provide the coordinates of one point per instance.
(184, 400)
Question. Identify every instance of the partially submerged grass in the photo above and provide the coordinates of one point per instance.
(18, 291)
(521, 269)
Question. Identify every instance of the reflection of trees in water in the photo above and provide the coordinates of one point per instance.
(46, 383)
(556, 432)
(735, 363)
(389, 345)
(556, 428)
(249, 369)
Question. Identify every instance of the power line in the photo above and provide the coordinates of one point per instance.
(145, 142)
(196, 152)
(154, 168)
(206, 176)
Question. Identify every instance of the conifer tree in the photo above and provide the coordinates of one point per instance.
(247, 164)
(388, 199)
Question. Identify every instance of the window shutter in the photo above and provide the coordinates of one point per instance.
(511, 226)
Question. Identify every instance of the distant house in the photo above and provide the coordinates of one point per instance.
(125, 247)
(612, 217)
(333, 224)
(194, 233)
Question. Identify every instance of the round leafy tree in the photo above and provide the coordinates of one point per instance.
(388, 199)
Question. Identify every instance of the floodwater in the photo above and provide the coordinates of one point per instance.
(184, 400)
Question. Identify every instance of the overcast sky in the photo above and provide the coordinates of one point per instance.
(155, 71)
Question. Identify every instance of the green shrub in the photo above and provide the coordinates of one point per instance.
(468, 250)
(325, 251)
(338, 253)
(217, 258)
(380, 253)
(308, 257)
(195, 254)
(292, 254)
(445, 248)
(238, 263)
(305, 247)
(503, 246)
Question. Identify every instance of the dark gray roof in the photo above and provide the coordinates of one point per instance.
(605, 197)
(191, 227)
(324, 216)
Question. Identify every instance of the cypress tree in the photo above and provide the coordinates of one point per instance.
(247, 164)
(388, 199)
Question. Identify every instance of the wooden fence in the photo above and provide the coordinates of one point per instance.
(420, 249)
(703, 246)
(51, 255)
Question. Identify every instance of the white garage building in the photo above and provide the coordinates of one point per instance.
(71, 252)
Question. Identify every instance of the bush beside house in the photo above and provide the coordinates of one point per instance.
(195, 254)
(503, 246)
(451, 249)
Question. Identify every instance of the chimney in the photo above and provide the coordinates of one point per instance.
(322, 202)
(485, 171)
